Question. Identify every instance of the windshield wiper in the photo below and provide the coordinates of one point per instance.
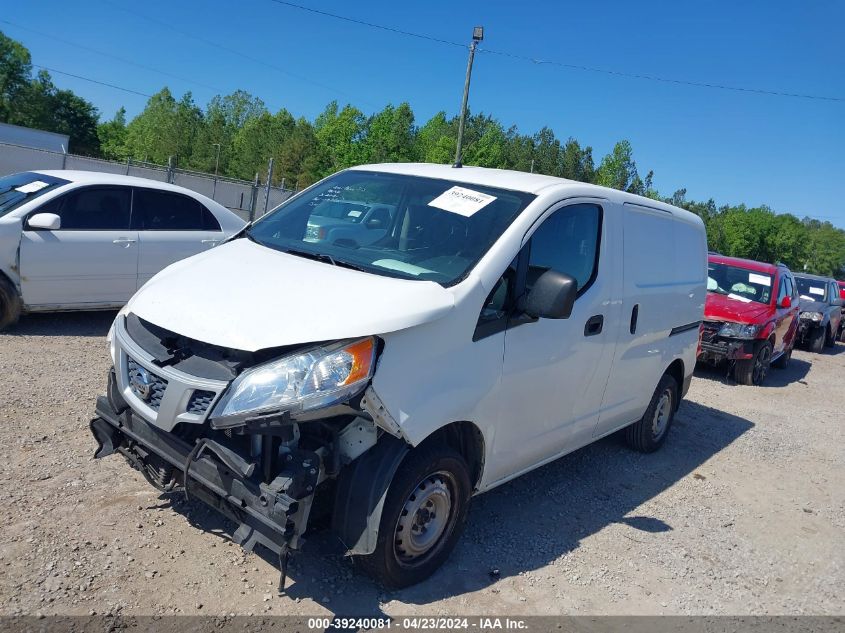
(324, 257)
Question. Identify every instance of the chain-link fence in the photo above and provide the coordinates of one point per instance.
(247, 199)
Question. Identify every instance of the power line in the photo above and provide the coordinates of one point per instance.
(111, 56)
(683, 82)
(233, 51)
(370, 24)
(93, 81)
(533, 60)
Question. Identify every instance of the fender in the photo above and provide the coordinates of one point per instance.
(766, 332)
(361, 490)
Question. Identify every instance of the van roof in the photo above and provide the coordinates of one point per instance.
(748, 264)
(519, 181)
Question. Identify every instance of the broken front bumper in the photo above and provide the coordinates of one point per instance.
(718, 349)
(264, 512)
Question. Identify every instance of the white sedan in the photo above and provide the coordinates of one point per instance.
(80, 240)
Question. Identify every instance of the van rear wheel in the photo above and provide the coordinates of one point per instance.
(10, 303)
(650, 432)
(423, 517)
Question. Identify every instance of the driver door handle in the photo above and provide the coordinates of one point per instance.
(594, 325)
(126, 242)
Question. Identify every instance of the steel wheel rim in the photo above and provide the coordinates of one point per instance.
(425, 519)
(761, 364)
(662, 413)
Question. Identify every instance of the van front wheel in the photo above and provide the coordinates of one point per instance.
(423, 517)
(649, 433)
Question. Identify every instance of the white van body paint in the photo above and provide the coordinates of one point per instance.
(535, 391)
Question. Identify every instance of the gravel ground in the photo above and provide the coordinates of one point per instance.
(742, 512)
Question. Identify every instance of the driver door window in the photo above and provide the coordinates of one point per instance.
(567, 242)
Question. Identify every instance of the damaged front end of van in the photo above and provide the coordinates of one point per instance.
(262, 437)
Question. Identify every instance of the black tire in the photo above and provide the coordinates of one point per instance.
(10, 303)
(430, 470)
(647, 435)
(829, 337)
(782, 361)
(842, 334)
(816, 340)
(754, 371)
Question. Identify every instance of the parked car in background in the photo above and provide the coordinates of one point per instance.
(505, 319)
(821, 311)
(81, 240)
(348, 222)
(750, 317)
(842, 323)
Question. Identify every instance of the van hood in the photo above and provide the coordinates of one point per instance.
(720, 307)
(249, 297)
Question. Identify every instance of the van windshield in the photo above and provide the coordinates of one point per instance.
(16, 189)
(739, 283)
(392, 225)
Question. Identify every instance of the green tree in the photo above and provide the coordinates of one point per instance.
(164, 128)
(618, 169)
(112, 135)
(339, 134)
(260, 139)
(436, 140)
(577, 163)
(15, 71)
(42, 106)
(390, 136)
(224, 117)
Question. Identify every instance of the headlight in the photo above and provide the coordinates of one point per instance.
(315, 378)
(739, 330)
(812, 316)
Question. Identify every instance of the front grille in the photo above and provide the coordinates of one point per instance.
(200, 401)
(146, 385)
(709, 330)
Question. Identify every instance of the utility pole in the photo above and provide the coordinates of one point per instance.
(477, 36)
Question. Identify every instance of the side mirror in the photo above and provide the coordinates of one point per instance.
(45, 222)
(373, 223)
(786, 302)
(552, 296)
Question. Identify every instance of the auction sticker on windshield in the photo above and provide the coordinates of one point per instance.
(32, 187)
(759, 279)
(817, 291)
(462, 201)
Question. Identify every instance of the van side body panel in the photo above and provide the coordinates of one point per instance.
(434, 374)
(664, 286)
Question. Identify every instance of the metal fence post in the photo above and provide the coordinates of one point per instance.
(128, 163)
(170, 169)
(64, 156)
(254, 201)
(267, 186)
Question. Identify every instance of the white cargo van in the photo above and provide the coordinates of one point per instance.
(499, 321)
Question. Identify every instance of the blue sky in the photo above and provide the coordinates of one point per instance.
(734, 147)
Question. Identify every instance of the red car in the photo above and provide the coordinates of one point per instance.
(842, 324)
(750, 317)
